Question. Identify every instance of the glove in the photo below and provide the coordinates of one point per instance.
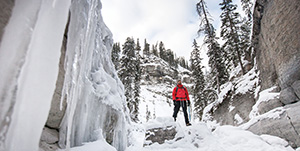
(189, 102)
(174, 102)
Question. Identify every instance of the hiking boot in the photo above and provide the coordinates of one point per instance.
(174, 119)
(188, 124)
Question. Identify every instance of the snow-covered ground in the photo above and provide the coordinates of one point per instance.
(197, 137)
(156, 104)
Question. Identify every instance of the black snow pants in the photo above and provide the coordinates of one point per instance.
(184, 108)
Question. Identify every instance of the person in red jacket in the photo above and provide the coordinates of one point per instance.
(181, 98)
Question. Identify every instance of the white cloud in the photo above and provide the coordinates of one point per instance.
(174, 22)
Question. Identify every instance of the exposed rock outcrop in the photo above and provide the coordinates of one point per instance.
(286, 126)
(276, 42)
(277, 45)
(5, 13)
(237, 112)
(155, 70)
(57, 110)
(160, 135)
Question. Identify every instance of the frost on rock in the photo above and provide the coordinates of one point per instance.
(95, 97)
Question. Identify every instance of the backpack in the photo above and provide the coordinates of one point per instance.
(177, 90)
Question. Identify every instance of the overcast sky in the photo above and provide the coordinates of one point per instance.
(175, 22)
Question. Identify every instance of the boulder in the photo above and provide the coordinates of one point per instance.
(49, 136)
(296, 88)
(159, 135)
(287, 96)
(265, 107)
(287, 126)
(49, 140)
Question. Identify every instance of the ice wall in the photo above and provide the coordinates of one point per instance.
(29, 55)
(94, 93)
(29, 58)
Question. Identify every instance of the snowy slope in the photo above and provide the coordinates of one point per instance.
(157, 104)
(195, 138)
(199, 138)
(156, 100)
(156, 92)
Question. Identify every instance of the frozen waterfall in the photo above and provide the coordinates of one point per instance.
(29, 56)
(94, 92)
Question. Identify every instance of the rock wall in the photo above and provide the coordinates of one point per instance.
(237, 108)
(276, 39)
(276, 42)
(5, 13)
(287, 126)
(155, 70)
(278, 46)
(50, 136)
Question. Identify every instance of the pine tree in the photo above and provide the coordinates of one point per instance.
(182, 62)
(169, 56)
(230, 33)
(247, 6)
(215, 54)
(115, 55)
(146, 50)
(148, 113)
(127, 69)
(161, 49)
(246, 27)
(198, 81)
(154, 50)
(137, 80)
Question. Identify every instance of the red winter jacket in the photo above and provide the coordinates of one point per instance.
(181, 95)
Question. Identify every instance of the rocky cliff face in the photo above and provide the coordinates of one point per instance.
(156, 71)
(276, 39)
(278, 58)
